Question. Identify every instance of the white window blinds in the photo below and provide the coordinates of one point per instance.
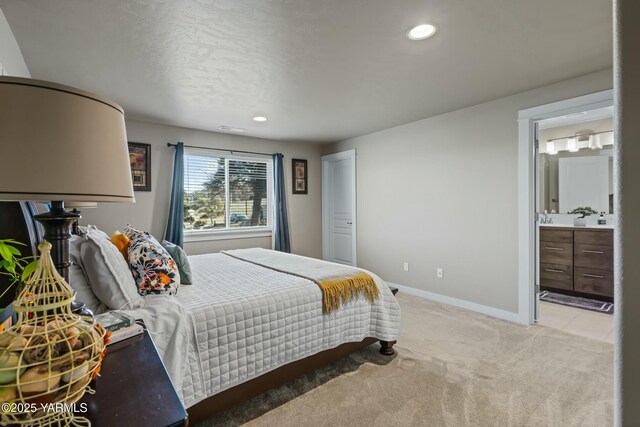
(226, 193)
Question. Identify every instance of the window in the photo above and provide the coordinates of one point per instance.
(226, 194)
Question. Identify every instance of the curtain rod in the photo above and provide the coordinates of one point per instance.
(222, 149)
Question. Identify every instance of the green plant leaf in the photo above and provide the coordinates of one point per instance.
(4, 252)
(29, 269)
(10, 267)
(13, 250)
(12, 242)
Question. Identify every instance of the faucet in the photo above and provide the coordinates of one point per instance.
(545, 218)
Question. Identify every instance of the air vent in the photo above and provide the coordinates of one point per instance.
(231, 129)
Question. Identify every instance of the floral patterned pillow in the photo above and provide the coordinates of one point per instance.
(154, 271)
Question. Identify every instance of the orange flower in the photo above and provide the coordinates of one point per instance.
(106, 339)
(96, 371)
(165, 279)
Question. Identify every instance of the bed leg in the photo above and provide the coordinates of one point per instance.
(386, 347)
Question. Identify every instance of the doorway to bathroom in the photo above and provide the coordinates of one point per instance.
(574, 198)
(566, 215)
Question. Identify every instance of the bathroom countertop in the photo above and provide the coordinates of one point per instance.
(593, 226)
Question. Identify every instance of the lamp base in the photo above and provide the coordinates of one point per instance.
(57, 224)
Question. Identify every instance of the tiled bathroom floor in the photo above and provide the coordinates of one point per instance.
(576, 321)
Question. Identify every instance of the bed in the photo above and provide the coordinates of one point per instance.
(242, 328)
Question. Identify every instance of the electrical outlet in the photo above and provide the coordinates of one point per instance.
(405, 266)
(440, 273)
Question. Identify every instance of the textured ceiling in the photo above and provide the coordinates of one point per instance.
(321, 70)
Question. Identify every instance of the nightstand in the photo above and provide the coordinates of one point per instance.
(134, 388)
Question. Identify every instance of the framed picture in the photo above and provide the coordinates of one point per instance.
(299, 168)
(140, 160)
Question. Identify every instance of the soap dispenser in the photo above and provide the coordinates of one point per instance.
(601, 220)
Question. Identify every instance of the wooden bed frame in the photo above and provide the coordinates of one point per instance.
(16, 222)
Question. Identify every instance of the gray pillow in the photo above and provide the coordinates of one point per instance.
(180, 257)
(108, 273)
(78, 280)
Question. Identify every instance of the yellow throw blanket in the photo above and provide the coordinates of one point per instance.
(341, 290)
(339, 284)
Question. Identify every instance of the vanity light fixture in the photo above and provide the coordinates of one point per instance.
(259, 119)
(572, 145)
(595, 142)
(421, 32)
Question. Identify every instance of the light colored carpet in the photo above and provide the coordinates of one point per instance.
(452, 368)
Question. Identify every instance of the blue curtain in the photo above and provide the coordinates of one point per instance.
(281, 228)
(175, 227)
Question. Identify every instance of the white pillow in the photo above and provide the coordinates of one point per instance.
(108, 273)
(78, 280)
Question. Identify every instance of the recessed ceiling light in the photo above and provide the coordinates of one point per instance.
(421, 32)
(259, 119)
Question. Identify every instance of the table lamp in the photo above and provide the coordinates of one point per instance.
(61, 144)
(74, 207)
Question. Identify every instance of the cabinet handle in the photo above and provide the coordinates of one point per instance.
(551, 248)
(586, 251)
(595, 276)
(552, 270)
(349, 223)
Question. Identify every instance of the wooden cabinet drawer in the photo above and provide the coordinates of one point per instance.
(591, 237)
(556, 253)
(556, 276)
(594, 256)
(560, 236)
(593, 281)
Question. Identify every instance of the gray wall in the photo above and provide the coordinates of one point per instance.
(11, 60)
(150, 210)
(627, 267)
(442, 192)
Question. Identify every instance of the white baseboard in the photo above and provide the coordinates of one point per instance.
(467, 305)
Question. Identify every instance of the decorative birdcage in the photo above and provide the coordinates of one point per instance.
(50, 355)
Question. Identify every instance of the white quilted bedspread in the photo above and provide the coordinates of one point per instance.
(247, 320)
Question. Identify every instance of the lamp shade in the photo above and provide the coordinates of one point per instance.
(61, 143)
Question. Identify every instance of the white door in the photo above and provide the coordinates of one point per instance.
(339, 207)
(539, 194)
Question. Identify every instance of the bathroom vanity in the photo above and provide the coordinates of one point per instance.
(577, 260)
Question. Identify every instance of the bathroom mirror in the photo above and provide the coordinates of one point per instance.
(576, 166)
(572, 180)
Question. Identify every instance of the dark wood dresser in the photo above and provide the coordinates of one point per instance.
(577, 260)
